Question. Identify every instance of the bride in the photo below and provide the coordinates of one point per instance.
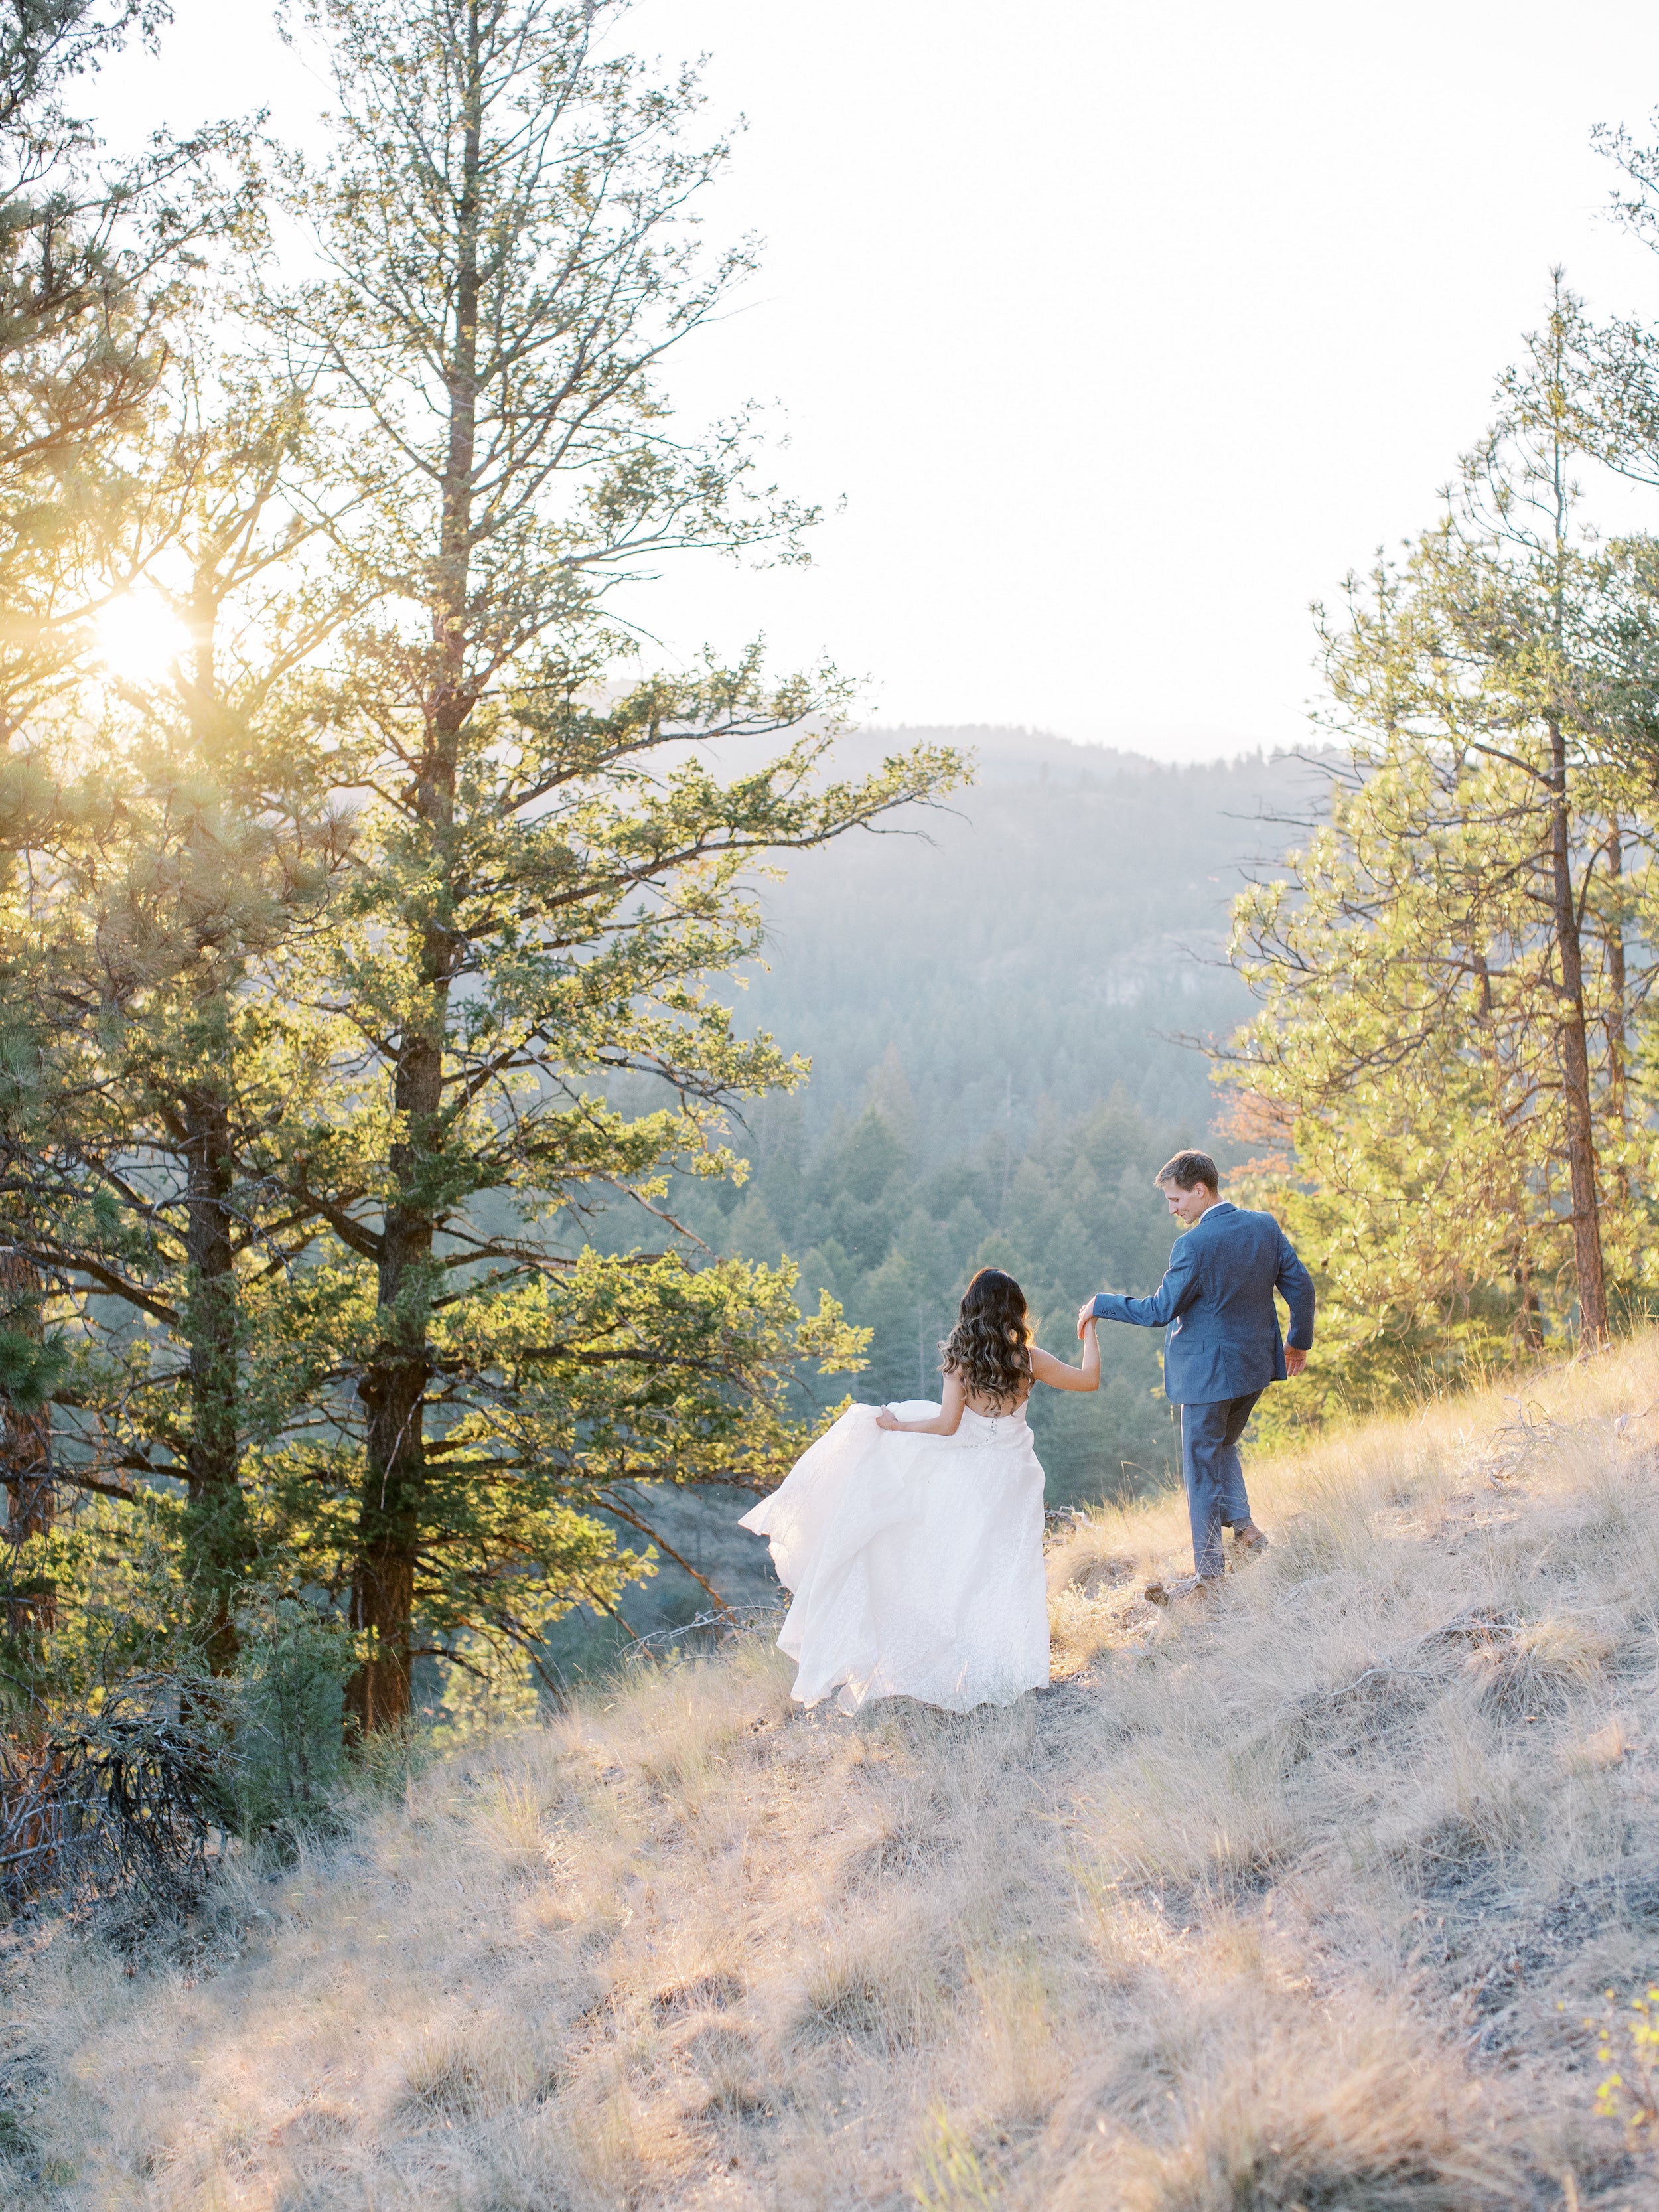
(911, 1539)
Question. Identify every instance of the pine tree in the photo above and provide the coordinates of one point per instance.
(96, 259)
(551, 869)
(200, 835)
(1447, 996)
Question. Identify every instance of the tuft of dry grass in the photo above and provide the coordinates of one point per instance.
(1284, 2130)
(1297, 1901)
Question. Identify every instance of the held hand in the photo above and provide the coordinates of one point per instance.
(887, 1418)
(1295, 1361)
(1085, 1314)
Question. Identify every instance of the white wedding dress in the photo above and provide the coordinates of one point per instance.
(915, 1562)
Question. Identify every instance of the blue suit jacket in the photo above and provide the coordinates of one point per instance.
(1216, 1301)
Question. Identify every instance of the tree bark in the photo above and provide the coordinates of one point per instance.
(1528, 1329)
(393, 1390)
(26, 1441)
(1572, 1042)
(1618, 1044)
(215, 1524)
(217, 1547)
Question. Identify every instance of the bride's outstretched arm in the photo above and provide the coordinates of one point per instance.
(1059, 1376)
(945, 1423)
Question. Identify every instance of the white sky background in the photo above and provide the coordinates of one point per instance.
(1124, 330)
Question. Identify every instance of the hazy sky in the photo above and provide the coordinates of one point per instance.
(1124, 331)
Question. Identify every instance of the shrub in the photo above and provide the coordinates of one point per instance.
(289, 1727)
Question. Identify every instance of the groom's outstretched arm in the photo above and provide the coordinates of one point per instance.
(1174, 1292)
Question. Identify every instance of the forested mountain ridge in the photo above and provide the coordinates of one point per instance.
(1046, 936)
(994, 1008)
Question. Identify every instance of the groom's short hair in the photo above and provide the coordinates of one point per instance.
(1187, 1169)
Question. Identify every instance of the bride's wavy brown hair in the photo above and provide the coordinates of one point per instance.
(990, 1347)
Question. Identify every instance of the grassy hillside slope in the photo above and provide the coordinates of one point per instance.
(1302, 1900)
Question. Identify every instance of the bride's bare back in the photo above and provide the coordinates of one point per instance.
(1045, 1368)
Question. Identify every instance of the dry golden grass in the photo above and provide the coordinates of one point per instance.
(1301, 1900)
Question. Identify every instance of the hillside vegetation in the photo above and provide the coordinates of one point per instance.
(1046, 935)
(1301, 1900)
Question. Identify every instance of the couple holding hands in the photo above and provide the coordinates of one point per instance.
(911, 1536)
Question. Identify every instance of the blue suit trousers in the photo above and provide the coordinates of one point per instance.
(1213, 1475)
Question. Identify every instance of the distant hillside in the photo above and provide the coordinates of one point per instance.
(1045, 939)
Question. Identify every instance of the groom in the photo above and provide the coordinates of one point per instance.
(1224, 1345)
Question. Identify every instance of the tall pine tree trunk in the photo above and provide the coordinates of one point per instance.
(217, 1547)
(394, 1390)
(25, 1442)
(1528, 1330)
(1618, 985)
(215, 1526)
(1572, 1041)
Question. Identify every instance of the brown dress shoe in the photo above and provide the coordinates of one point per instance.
(1250, 1540)
(1188, 1586)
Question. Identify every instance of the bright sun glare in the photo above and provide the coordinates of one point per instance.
(139, 637)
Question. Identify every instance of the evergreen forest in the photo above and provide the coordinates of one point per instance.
(1006, 1004)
